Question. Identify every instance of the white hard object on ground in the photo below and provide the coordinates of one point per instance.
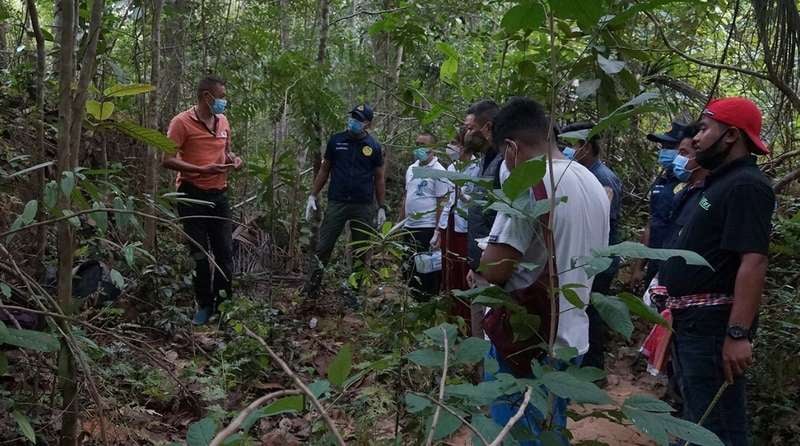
(311, 206)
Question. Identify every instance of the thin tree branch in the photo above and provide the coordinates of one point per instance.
(237, 422)
(778, 83)
(520, 412)
(362, 12)
(455, 414)
(300, 384)
(435, 419)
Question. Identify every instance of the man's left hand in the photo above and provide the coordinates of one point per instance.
(737, 356)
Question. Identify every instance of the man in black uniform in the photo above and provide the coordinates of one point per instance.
(714, 309)
(354, 162)
(477, 139)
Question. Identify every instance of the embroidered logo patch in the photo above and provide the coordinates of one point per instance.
(366, 150)
(705, 204)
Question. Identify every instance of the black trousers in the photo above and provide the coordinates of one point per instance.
(598, 330)
(423, 286)
(215, 236)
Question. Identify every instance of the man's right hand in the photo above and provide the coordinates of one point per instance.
(311, 206)
(215, 169)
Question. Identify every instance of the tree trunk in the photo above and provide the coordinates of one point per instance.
(66, 369)
(171, 82)
(152, 176)
(38, 152)
(4, 53)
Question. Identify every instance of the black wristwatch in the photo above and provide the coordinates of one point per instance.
(737, 332)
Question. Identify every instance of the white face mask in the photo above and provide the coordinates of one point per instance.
(504, 172)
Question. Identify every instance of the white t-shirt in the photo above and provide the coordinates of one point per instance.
(580, 225)
(422, 195)
(473, 169)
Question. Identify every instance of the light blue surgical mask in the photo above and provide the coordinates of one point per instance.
(355, 126)
(421, 153)
(218, 106)
(569, 152)
(665, 157)
(679, 168)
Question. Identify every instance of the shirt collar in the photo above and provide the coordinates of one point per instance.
(738, 163)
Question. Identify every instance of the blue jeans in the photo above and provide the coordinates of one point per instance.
(504, 408)
(699, 335)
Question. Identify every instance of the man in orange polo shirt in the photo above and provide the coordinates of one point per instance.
(202, 134)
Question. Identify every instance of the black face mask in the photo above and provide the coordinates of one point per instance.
(714, 156)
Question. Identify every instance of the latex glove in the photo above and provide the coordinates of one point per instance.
(436, 240)
(381, 219)
(311, 206)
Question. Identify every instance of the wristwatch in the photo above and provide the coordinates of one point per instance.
(737, 332)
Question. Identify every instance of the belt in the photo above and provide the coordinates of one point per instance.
(698, 300)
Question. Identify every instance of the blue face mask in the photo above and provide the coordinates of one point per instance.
(679, 168)
(354, 126)
(218, 106)
(569, 152)
(421, 153)
(665, 157)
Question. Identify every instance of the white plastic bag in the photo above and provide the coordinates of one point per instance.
(428, 262)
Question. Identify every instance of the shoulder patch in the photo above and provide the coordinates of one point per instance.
(679, 187)
(366, 150)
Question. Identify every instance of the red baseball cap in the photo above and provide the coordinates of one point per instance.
(741, 113)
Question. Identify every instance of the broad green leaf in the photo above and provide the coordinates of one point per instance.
(3, 361)
(152, 138)
(427, 357)
(51, 194)
(5, 289)
(456, 177)
(586, 13)
(638, 307)
(487, 427)
(471, 351)
(648, 403)
(593, 265)
(117, 279)
(31, 340)
(447, 425)
(609, 66)
(658, 424)
(623, 112)
(319, 388)
(100, 218)
(127, 90)
(614, 312)
(566, 354)
(449, 68)
(524, 176)
(575, 135)
(201, 433)
(623, 17)
(640, 251)
(67, 183)
(24, 425)
(339, 368)
(527, 15)
(292, 403)
(565, 385)
(100, 111)
(74, 221)
(572, 297)
(128, 252)
(435, 333)
(416, 403)
(3, 332)
(589, 374)
(483, 393)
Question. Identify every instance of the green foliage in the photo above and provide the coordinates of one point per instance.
(339, 368)
(652, 417)
(24, 426)
(152, 138)
(28, 339)
(201, 432)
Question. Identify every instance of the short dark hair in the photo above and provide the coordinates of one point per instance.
(585, 125)
(521, 119)
(429, 135)
(209, 82)
(484, 111)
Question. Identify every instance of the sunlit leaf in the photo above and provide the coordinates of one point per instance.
(127, 90)
(152, 138)
(100, 111)
(340, 367)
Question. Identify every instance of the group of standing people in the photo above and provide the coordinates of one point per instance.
(710, 198)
